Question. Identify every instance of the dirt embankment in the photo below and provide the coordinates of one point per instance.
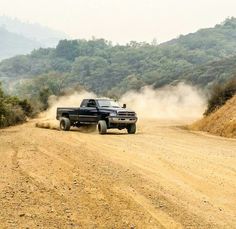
(222, 122)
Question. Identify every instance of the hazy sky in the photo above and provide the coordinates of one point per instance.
(122, 20)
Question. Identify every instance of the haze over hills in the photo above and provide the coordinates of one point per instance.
(19, 37)
(46, 36)
(12, 44)
(200, 58)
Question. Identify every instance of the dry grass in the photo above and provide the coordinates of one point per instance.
(222, 122)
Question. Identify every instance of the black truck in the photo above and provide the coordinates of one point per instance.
(105, 113)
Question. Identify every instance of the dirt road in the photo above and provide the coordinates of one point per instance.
(162, 177)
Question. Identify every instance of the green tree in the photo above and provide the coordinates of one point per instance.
(67, 49)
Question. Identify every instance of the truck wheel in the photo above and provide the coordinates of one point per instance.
(65, 124)
(102, 127)
(131, 128)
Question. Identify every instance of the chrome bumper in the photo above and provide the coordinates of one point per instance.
(123, 120)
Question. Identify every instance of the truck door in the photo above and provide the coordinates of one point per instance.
(88, 111)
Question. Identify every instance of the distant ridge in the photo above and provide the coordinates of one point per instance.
(44, 35)
(12, 44)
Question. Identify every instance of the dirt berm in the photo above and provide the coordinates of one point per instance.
(162, 177)
(222, 122)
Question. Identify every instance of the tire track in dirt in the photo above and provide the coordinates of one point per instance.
(30, 203)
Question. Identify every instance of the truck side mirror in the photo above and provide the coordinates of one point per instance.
(124, 105)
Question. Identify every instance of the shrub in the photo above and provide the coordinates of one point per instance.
(13, 110)
(220, 94)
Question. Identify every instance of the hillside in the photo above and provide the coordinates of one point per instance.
(218, 41)
(12, 44)
(201, 58)
(45, 36)
(222, 122)
(209, 73)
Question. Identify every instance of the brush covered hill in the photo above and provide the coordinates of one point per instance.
(211, 73)
(222, 122)
(112, 70)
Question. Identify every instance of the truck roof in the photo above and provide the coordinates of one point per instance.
(99, 99)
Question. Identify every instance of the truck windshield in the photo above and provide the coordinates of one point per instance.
(108, 103)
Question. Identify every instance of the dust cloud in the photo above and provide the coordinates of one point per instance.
(48, 118)
(72, 100)
(180, 102)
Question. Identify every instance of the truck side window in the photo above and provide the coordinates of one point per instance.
(91, 103)
(84, 103)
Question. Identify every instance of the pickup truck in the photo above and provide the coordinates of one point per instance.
(105, 113)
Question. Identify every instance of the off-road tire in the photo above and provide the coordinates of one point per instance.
(102, 127)
(65, 124)
(131, 128)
